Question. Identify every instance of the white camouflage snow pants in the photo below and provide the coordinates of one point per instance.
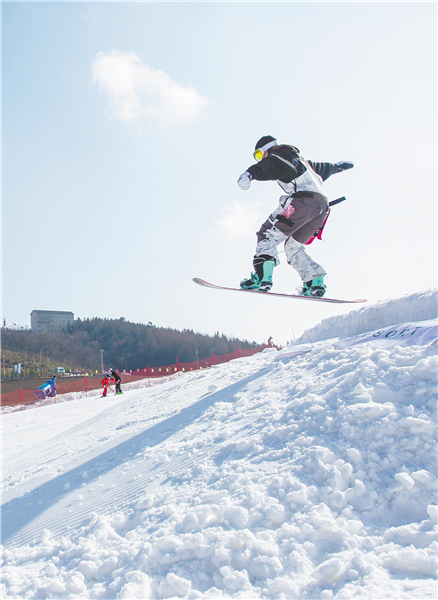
(294, 222)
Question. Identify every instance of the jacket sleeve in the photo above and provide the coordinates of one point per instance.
(269, 168)
(323, 169)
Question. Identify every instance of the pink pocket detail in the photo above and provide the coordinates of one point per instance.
(288, 212)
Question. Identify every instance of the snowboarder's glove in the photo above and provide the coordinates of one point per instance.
(244, 181)
(344, 165)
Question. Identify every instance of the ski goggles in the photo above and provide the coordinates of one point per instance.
(258, 154)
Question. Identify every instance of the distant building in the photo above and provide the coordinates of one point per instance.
(47, 321)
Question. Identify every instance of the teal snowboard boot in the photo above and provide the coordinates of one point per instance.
(252, 283)
(261, 280)
(315, 287)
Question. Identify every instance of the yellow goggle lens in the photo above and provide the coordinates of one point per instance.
(258, 155)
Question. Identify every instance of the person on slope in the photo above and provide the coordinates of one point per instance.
(47, 390)
(117, 379)
(301, 213)
(105, 383)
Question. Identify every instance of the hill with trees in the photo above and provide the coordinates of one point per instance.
(125, 345)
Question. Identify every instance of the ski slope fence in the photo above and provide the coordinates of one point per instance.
(25, 392)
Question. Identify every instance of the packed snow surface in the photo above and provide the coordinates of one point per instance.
(285, 475)
(421, 306)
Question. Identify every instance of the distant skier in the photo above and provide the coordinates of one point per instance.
(117, 379)
(47, 390)
(105, 384)
(301, 213)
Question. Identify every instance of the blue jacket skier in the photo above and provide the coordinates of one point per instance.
(301, 212)
(47, 390)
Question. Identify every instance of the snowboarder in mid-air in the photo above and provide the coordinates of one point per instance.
(301, 213)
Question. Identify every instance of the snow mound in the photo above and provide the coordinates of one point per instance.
(421, 306)
(309, 476)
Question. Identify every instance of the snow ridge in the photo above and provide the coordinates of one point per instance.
(421, 306)
(312, 476)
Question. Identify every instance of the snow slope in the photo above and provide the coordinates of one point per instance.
(421, 306)
(275, 476)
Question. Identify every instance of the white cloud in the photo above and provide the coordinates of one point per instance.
(136, 91)
(239, 219)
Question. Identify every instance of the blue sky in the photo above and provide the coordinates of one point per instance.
(126, 126)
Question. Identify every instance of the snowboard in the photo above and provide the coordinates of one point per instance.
(294, 296)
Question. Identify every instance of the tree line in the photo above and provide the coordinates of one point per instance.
(125, 345)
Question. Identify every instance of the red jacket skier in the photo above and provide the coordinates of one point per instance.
(301, 212)
(105, 383)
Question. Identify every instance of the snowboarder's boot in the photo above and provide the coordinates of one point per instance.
(315, 287)
(266, 282)
(252, 283)
(261, 280)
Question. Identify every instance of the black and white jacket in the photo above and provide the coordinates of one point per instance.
(292, 172)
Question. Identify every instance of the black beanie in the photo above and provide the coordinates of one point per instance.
(264, 140)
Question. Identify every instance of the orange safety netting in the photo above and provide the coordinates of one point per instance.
(67, 385)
